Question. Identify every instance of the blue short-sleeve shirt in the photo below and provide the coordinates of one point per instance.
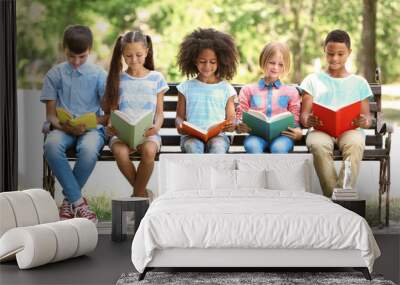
(137, 94)
(205, 103)
(78, 90)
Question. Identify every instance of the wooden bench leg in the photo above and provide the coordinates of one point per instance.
(48, 179)
(381, 189)
(387, 190)
(384, 189)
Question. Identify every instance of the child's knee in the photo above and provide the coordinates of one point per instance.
(218, 145)
(319, 146)
(120, 151)
(89, 149)
(53, 146)
(282, 145)
(149, 151)
(192, 145)
(253, 144)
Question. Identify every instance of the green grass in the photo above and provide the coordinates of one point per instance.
(391, 115)
(102, 206)
(390, 97)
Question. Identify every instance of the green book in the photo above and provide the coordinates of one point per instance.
(268, 128)
(131, 130)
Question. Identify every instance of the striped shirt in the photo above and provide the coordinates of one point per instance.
(205, 103)
(137, 94)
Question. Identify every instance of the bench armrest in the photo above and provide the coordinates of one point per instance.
(385, 128)
(46, 128)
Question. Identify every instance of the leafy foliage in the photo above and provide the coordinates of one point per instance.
(302, 24)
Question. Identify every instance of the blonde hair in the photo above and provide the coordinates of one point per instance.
(270, 50)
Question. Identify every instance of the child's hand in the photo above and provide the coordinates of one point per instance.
(242, 128)
(313, 121)
(79, 129)
(229, 126)
(179, 129)
(361, 121)
(178, 124)
(111, 131)
(293, 133)
(73, 130)
(151, 131)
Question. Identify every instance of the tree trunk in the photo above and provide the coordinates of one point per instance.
(367, 53)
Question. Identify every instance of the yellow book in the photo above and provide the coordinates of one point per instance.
(88, 119)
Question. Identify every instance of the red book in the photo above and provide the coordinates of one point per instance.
(336, 120)
(204, 135)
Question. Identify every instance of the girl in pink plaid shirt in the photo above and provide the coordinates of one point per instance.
(271, 97)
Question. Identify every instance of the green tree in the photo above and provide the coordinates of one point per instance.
(302, 24)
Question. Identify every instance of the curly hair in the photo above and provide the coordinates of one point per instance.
(223, 46)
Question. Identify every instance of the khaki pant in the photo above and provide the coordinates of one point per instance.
(350, 143)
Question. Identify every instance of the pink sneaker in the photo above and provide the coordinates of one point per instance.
(66, 212)
(83, 211)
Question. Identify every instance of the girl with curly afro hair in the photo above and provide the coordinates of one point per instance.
(209, 58)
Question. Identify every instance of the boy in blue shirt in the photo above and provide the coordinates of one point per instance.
(335, 87)
(77, 86)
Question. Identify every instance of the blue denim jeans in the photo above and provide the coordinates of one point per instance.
(218, 144)
(87, 147)
(256, 144)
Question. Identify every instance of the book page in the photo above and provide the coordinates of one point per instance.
(336, 108)
(280, 116)
(140, 117)
(88, 119)
(258, 114)
(123, 116)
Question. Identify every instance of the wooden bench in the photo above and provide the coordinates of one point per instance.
(378, 141)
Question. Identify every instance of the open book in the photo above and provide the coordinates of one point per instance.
(131, 130)
(204, 135)
(336, 120)
(268, 128)
(88, 119)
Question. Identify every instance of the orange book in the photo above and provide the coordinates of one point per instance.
(336, 120)
(204, 135)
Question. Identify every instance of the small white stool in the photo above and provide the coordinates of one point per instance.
(120, 205)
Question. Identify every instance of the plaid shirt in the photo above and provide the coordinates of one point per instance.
(271, 99)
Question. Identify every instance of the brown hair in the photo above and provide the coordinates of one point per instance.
(110, 101)
(270, 50)
(223, 46)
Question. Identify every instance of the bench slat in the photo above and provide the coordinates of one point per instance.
(171, 140)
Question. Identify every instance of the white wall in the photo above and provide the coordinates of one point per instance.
(106, 178)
